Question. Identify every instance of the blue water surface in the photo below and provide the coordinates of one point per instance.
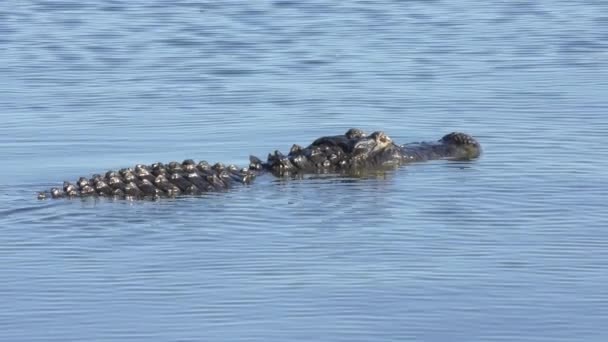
(510, 247)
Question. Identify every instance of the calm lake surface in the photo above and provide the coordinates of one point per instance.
(510, 247)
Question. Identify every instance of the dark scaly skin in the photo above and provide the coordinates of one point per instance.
(355, 151)
(155, 181)
(347, 153)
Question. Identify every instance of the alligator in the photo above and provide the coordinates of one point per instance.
(344, 154)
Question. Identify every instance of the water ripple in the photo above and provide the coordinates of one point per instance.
(508, 247)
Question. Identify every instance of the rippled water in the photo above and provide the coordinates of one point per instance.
(511, 247)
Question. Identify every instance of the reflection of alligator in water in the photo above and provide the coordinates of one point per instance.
(349, 153)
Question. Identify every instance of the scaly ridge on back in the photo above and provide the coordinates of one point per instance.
(155, 181)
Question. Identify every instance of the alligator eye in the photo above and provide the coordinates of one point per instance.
(355, 133)
(381, 137)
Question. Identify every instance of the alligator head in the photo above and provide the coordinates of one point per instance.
(357, 150)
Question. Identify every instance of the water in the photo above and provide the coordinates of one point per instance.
(511, 247)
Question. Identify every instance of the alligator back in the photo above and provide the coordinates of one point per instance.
(155, 181)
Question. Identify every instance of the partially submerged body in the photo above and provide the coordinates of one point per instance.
(156, 180)
(347, 153)
(357, 151)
